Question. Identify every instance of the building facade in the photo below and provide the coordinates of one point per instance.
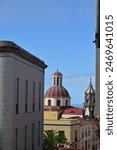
(21, 98)
(97, 42)
(85, 135)
(69, 127)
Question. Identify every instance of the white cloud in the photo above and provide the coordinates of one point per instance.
(81, 79)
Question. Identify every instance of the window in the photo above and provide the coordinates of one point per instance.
(25, 142)
(96, 146)
(66, 102)
(16, 139)
(75, 145)
(88, 144)
(57, 81)
(82, 133)
(88, 131)
(61, 133)
(82, 145)
(87, 97)
(38, 132)
(26, 98)
(40, 96)
(76, 136)
(32, 136)
(33, 96)
(93, 147)
(49, 102)
(58, 102)
(17, 95)
(85, 132)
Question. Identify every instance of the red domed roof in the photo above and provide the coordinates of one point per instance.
(57, 91)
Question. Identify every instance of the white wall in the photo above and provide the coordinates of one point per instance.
(54, 101)
(12, 67)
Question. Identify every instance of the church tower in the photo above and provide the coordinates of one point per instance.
(89, 103)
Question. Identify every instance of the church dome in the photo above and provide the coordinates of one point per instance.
(57, 95)
(57, 92)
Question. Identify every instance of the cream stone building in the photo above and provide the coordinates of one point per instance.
(21, 98)
(69, 127)
(86, 133)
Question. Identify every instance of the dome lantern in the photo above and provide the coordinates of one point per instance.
(57, 78)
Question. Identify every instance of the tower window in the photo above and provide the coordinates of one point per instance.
(58, 102)
(49, 102)
(57, 81)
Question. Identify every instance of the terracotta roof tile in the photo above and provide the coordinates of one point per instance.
(74, 111)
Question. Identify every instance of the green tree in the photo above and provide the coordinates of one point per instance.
(52, 140)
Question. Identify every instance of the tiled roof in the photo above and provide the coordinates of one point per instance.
(56, 92)
(73, 110)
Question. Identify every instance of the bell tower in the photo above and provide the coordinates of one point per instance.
(89, 103)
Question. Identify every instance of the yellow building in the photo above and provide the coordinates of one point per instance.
(69, 127)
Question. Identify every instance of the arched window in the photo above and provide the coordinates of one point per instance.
(66, 102)
(57, 81)
(49, 102)
(58, 103)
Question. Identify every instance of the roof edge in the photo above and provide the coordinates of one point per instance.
(11, 47)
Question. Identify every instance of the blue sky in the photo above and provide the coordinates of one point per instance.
(60, 32)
